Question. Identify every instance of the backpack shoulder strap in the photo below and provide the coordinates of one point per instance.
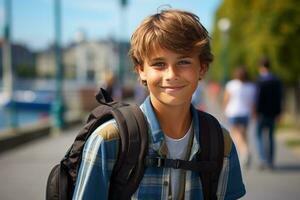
(212, 149)
(129, 167)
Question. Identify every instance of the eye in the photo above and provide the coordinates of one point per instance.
(158, 64)
(184, 62)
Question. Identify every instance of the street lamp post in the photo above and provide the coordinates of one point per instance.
(121, 45)
(8, 74)
(224, 26)
(58, 105)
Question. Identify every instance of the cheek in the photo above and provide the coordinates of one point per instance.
(194, 78)
(153, 76)
(193, 75)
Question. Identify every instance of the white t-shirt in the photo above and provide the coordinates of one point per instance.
(177, 149)
(241, 98)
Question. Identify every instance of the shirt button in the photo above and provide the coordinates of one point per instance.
(166, 183)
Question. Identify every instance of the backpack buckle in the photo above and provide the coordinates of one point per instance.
(176, 164)
(160, 162)
(155, 162)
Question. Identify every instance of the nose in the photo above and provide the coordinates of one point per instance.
(171, 72)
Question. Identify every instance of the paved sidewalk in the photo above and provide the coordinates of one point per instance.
(281, 183)
(25, 169)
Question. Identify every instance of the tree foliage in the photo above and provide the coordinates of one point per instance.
(24, 70)
(259, 28)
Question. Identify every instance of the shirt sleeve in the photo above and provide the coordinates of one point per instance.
(235, 186)
(95, 169)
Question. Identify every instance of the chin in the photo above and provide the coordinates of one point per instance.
(173, 101)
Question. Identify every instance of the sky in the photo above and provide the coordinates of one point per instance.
(33, 20)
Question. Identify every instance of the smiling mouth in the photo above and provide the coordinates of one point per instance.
(172, 88)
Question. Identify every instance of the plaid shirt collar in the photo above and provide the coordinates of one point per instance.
(158, 140)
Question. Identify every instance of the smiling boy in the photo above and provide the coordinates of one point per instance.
(171, 53)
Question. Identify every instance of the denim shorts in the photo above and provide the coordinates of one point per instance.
(240, 120)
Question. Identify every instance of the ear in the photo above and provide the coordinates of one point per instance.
(141, 72)
(203, 69)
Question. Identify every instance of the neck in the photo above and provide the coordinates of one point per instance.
(264, 72)
(174, 120)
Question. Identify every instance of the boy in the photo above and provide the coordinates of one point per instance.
(171, 53)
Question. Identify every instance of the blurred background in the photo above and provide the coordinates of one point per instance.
(56, 54)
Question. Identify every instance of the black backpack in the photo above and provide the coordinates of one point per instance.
(132, 160)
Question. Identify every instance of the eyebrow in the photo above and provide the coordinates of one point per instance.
(162, 58)
(157, 59)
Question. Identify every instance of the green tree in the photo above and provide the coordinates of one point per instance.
(258, 28)
(25, 71)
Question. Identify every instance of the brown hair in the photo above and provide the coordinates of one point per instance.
(265, 62)
(175, 30)
(241, 74)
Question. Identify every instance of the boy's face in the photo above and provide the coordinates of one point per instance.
(171, 77)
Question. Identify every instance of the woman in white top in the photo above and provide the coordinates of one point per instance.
(239, 103)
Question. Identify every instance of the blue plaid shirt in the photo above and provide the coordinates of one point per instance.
(100, 153)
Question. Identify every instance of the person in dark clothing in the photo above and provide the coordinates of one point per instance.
(268, 109)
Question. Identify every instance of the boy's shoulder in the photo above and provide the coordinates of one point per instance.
(108, 131)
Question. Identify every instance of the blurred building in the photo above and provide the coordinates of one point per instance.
(45, 63)
(23, 60)
(85, 60)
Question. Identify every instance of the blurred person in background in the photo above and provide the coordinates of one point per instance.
(110, 82)
(238, 103)
(268, 108)
(112, 86)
